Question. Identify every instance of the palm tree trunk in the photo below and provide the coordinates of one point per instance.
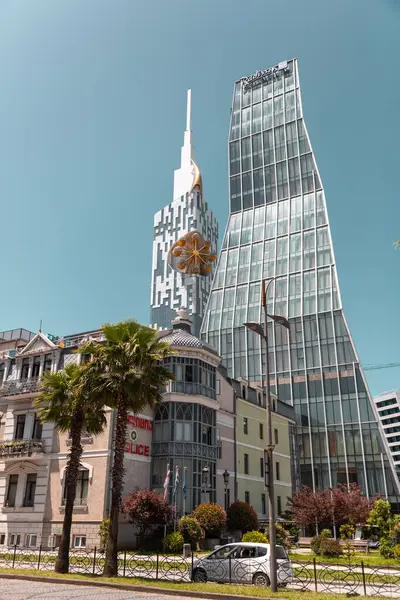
(117, 475)
(71, 476)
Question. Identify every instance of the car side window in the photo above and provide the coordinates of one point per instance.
(222, 552)
(244, 552)
(261, 551)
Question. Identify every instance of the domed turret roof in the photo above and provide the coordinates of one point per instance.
(180, 334)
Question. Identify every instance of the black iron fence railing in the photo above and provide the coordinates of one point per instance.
(352, 579)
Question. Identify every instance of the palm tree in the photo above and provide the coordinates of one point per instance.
(127, 374)
(65, 401)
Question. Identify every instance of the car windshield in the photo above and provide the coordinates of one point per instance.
(281, 552)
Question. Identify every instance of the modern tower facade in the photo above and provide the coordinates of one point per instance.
(188, 211)
(278, 228)
(388, 407)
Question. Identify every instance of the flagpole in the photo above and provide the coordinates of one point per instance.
(166, 484)
(184, 483)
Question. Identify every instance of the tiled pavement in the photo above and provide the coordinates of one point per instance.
(15, 589)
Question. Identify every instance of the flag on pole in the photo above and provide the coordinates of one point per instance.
(166, 484)
(176, 479)
(184, 482)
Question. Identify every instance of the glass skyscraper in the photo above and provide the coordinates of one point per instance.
(278, 228)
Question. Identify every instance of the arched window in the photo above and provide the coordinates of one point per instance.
(161, 412)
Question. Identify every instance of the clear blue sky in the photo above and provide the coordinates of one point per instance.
(92, 113)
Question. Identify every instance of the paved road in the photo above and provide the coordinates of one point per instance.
(31, 590)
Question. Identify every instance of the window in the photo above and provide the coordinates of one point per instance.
(47, 362)
(263, 505)
(12, 490)
(19, 428)
(29, 499)
(261, 426)
(2, 371)
(279, 505)
(247, 497)
(25, 368)
(14, 539)
(246, 464)
(2, 539)
(36, 368)
(276, 436)
(81, 488)
(37, 429)
(245, 425)
(278, 471)
(30, 540)
(79, 541)
(262, 467)
(221, 553)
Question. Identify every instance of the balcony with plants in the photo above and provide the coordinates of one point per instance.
(20, 448)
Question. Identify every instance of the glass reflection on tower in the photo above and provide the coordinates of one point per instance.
(278, 228)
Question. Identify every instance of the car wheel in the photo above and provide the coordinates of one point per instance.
(199, 576)
(261, 579)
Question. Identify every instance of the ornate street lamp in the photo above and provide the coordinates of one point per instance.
(226, 476)
(263, 333)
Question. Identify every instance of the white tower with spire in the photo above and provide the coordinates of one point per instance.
(186, 212)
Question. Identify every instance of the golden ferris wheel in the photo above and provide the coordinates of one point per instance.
(191, 254)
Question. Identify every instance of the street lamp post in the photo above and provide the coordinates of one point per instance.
(205, 473)
(226, 476)
(263, 332)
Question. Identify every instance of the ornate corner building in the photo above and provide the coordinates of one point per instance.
(278, 228)
(188, 211)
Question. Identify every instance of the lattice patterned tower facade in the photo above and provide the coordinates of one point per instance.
(188, 211)
(278, 228)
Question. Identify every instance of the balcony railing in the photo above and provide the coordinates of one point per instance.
(78, 502)
(16, 387)
(17, 448)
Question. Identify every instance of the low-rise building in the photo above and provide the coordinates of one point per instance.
(251, 435)
(197, 432)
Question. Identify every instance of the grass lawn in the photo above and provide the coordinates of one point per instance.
(368, 559)
(240, 590)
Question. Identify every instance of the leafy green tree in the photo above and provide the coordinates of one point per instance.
(65, 400)
(191, 531)
(242, 516)
(126, 372)
(381, 518)
(211, 517)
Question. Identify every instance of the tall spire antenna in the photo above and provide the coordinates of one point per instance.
(189, 110)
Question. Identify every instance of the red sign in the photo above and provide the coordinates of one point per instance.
(140, 423)
(139, 449)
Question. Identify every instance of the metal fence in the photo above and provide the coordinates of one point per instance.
(351, 579)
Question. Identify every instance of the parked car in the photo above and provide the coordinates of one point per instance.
(243, 562)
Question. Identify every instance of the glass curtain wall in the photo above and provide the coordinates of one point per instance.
(278, 228)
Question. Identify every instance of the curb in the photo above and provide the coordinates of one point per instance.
(134, 588)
